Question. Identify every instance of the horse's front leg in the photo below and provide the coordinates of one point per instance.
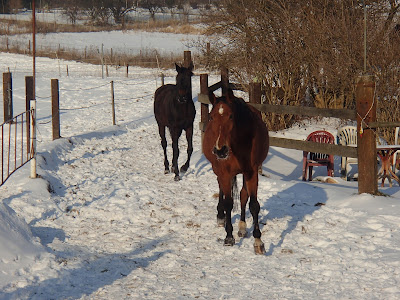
(175, 134)
(161, 130)
(221, 210)
(189, 138)
(227, 203)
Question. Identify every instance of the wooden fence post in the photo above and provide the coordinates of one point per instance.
(187, 62)
(224, 80)
(162, 79)
(28, 98)
(366, 141)
(7, 96)
(55, 111)
(255, 93)
(102, 60)
(204, 107)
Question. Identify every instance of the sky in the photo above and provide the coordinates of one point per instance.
(103, 221)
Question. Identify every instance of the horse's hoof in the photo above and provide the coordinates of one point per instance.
(259, 247)
(177, 178)
(242, 233)
(229, 241)
(166, 171)
(184, 168)
(242, 229)
(221, 222)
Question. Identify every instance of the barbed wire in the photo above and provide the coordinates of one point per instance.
(132, 84)
(84, 89)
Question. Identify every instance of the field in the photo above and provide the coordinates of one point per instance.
(104, 222)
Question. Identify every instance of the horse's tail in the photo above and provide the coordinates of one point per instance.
(235, 193)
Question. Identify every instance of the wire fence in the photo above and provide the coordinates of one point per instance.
(103, 103)
(16, 145)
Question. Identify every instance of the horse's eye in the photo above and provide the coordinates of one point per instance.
(230, 117)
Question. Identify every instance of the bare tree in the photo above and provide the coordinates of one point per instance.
(152, 6)
(306, 52)
(72, 9)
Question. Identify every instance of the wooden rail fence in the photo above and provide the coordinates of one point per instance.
(364, 114)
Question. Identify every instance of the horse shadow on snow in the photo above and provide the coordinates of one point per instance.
(293, 204)
(95, 272)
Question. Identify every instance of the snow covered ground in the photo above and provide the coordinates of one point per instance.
(128, 42)
(104, 222)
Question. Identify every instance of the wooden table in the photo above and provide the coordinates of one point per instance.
(385, 153)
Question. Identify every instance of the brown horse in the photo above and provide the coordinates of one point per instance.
(236, 141)
(174, 108)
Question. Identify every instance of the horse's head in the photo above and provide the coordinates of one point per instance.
(183, 83)
(221, 123)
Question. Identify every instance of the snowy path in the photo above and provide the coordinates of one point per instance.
(119, 226)
(113, 226)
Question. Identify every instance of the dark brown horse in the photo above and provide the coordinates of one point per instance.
(236, 141)
(174, 108)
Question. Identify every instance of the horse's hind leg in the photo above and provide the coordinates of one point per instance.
(189, 138)
(175, 134)
(244, 196)
(161, 130)
(252, 185)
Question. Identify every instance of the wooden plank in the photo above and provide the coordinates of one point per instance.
(215, 86)
(380, 124)
(314, 147)
(307, 111)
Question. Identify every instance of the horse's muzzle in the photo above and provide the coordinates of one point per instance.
(222, 153)
(182, 99)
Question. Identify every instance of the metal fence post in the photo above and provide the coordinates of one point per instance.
(33, 139)
(113, 102)
(28, 98)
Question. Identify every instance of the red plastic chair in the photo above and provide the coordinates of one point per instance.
(311, 159)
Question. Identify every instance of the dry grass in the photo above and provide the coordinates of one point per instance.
(10, 26)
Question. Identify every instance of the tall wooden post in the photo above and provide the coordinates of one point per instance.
(7, 96)
(28, 98)
(55, 109)
(366, 140)
(187, 62)
(255, 93)
(224, 80)
(204, 107)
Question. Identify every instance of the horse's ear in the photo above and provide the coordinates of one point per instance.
(211, 97)
(178, 68)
